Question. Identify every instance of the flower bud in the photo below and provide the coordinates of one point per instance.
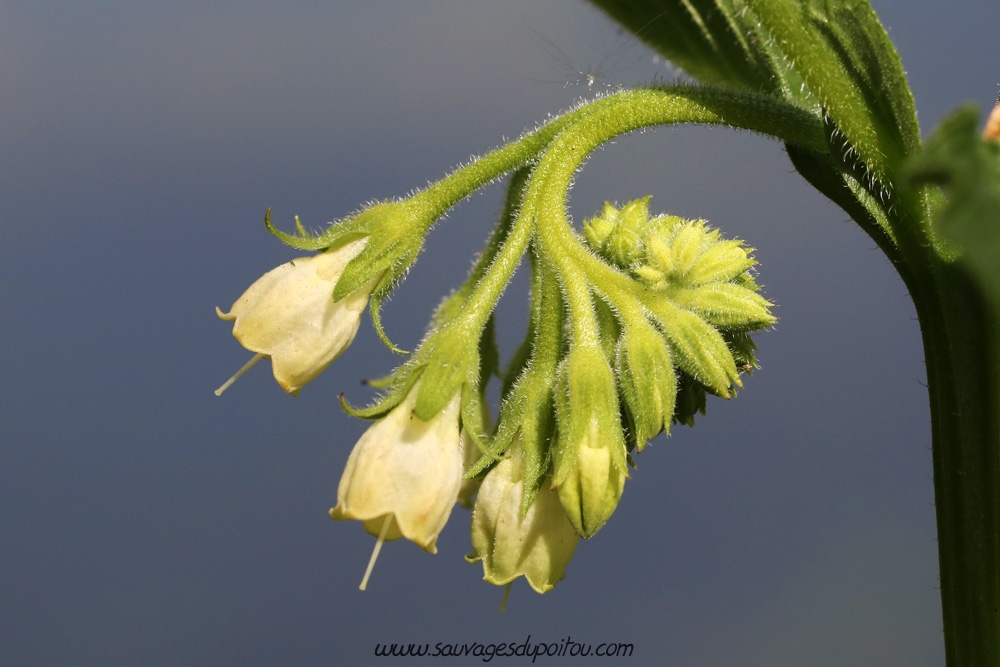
(689, 253)
(290, 316)
(624, 243)
(592, 482)
(727, 306)
(618, 233)
(405, 467)
(589, 451)
(686, 246)
(596, 229)
(648, 381)
(704, 292)
(537, 544)
(720, 262)
(698, 348)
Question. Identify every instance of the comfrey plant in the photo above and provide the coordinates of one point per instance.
(636, 318)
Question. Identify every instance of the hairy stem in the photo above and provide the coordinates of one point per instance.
(962, 351)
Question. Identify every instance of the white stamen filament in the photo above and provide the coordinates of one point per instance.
(247, 366)
(506, 594)
(378, 547)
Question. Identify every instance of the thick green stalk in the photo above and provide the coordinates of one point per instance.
(962, 351)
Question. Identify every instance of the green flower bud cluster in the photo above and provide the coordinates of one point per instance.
(697, 281)
(632, 326)
(670, 325)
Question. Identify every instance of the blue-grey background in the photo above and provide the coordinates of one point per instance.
(143, 521)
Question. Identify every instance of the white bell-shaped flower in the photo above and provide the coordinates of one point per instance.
(537, 545)
(403, 477)
(290, 316)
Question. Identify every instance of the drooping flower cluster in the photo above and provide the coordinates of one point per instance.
(556, 467)
(633, 323)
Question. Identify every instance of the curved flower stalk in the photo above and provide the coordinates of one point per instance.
(289, 316)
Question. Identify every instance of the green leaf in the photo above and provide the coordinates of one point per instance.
(712, 40)
(845, 57)
(967, 168)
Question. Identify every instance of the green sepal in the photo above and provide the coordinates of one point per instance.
(698, 348)
(403, 381)
(529, 401)
(537, 425)
(647, 380)
(375, 310)
(384, 259)
(727, 306)
(338, 234)
(475, 420)
(452, 360)
(507, 428)
(585, 389)
(383, 382)
(443, 382)
(395, 232)
(690, 400)
(539, 464)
